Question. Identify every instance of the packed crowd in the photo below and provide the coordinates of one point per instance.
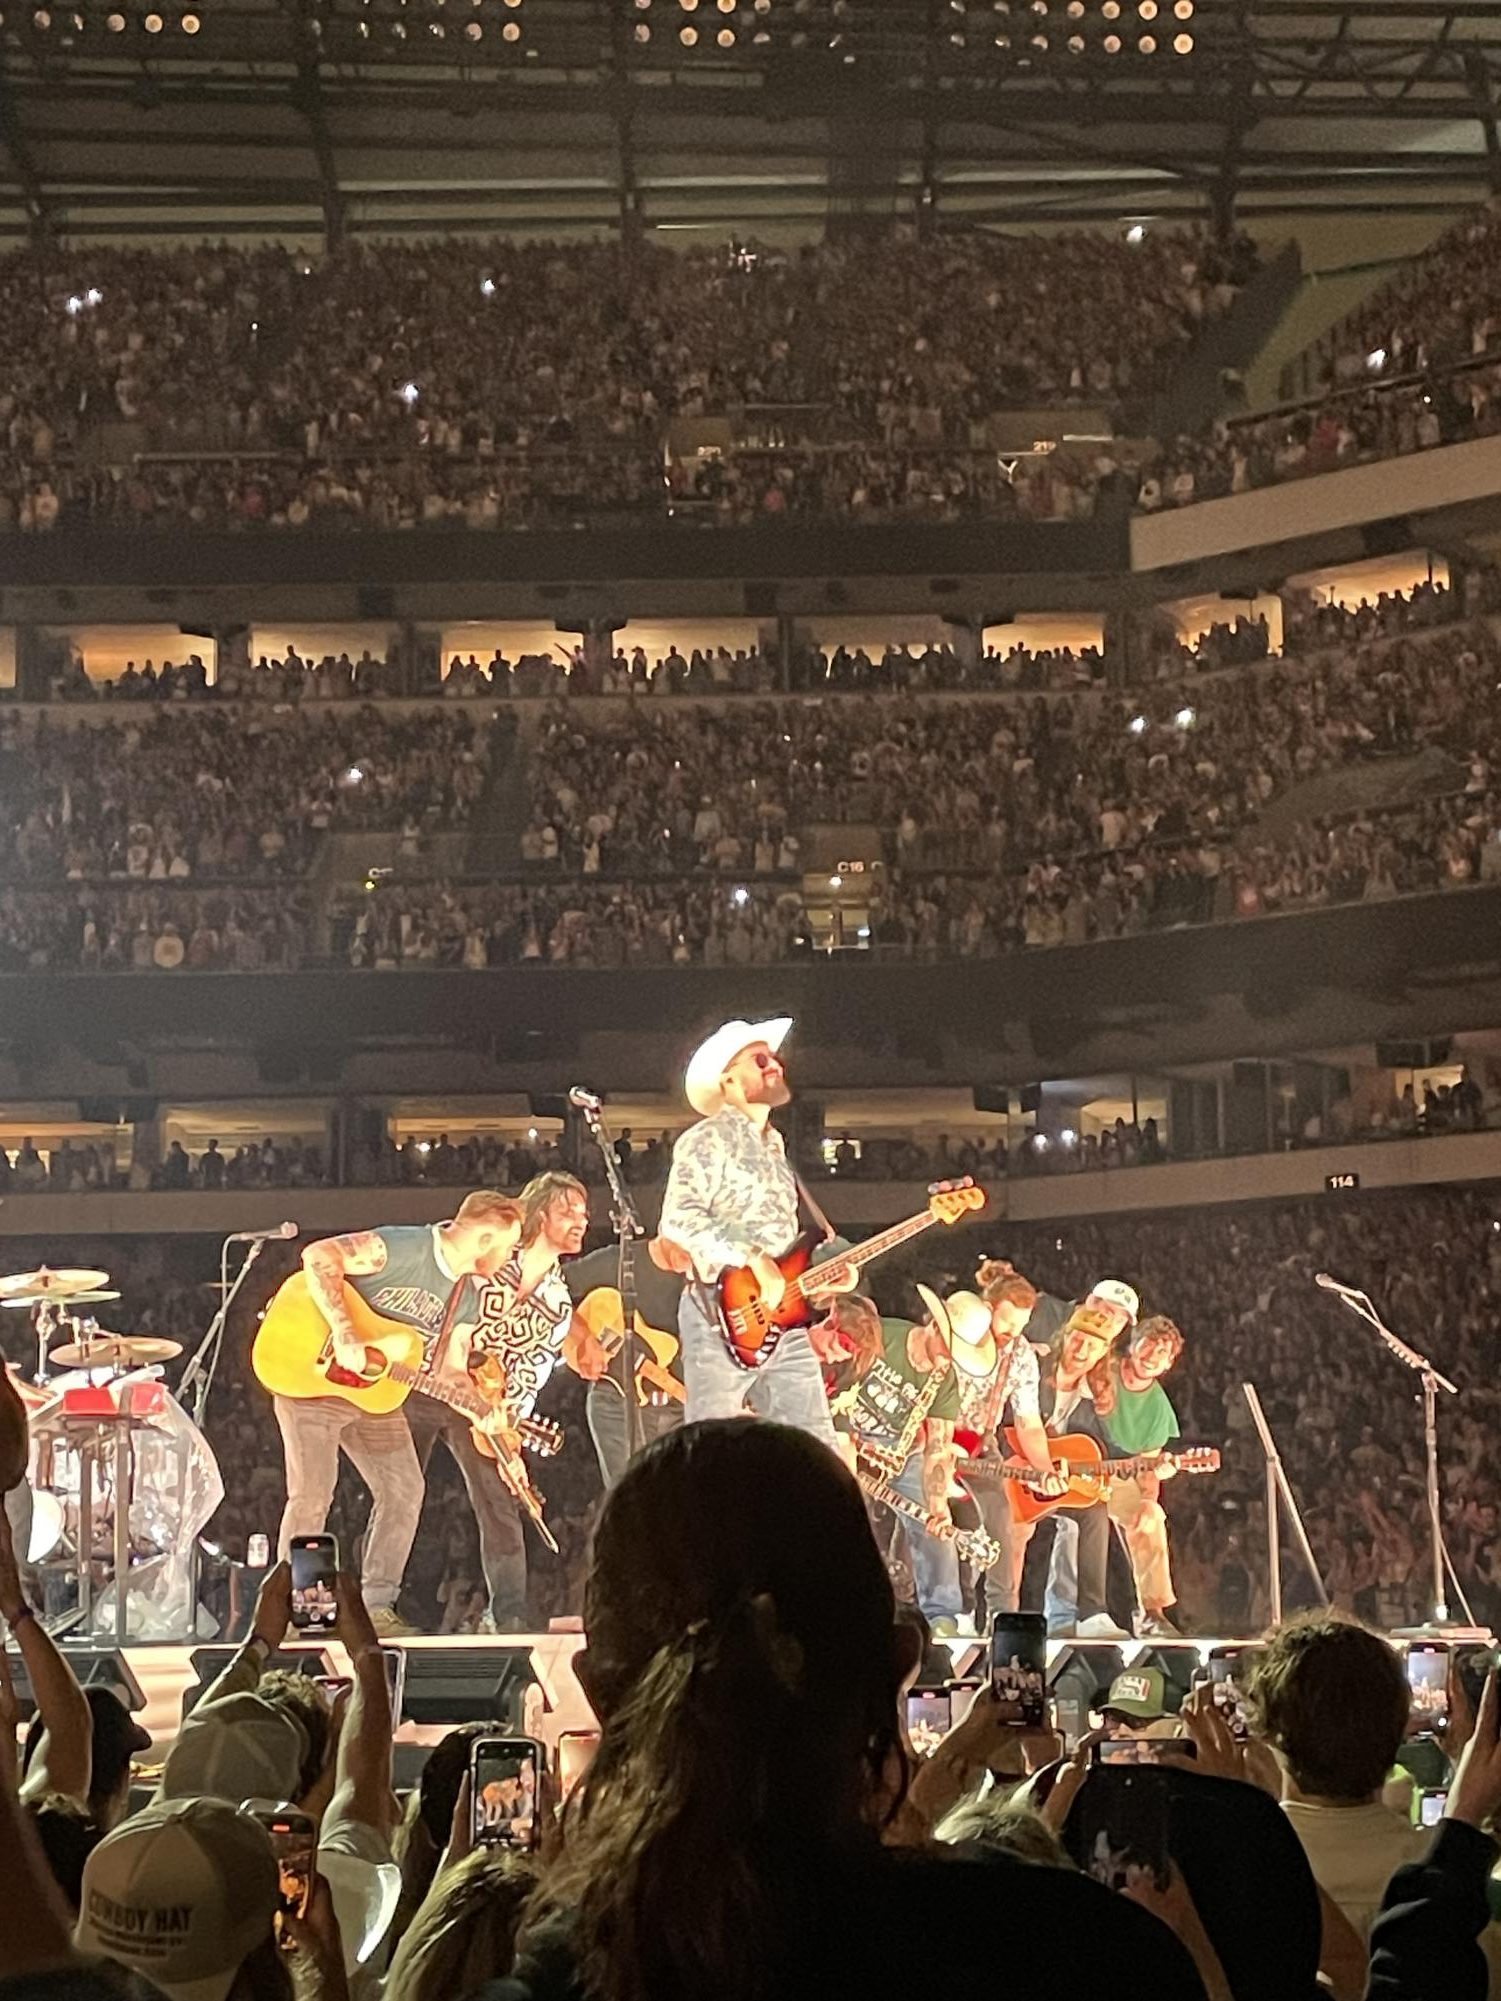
(194, 794)
(705, 1854)
(1240, 1285)
(272, 678)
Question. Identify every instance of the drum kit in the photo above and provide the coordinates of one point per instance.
(83, 1423)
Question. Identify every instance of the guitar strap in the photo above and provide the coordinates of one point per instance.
(439, 1342)
(815, 1209)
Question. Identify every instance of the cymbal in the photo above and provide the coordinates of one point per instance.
(33, 1286)
(28, 1300)
(115, 1351)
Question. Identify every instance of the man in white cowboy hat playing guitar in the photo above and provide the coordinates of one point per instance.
(732, 1200)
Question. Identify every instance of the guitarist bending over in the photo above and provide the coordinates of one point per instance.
(410, 1274)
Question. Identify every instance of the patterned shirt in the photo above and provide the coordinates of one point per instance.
(1013, 1380)
(730, 1192)
(525, 1336)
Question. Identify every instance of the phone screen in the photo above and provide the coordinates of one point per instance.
(258, 1552)
(576, 1749)
(395, 1663)
(1428, 1684)
(294, 1842)
(315, 1571)
(505, 1774)
(1143, 1750)
(1018, 1667)
(930, 1715)
(1431, 1805)
(1229, 1674)
(1117, 1828)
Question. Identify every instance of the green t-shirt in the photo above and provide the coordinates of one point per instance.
(1142, 1420)
(890, 1387)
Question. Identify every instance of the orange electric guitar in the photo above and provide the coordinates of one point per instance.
(752, 1330)
(293, 1357)
(1089, 1471)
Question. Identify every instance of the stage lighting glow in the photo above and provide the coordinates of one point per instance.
(727, 6)
(642, 32)
(1147, 45)
(1136, 232)
(836, 882)
(689, 6)
(1376, 360)
(190, 24)
(153, 24)
(1137, 725)
(1183, 45)
(726, 38)
(1068, 1137)
(1183, 10)
(41, 19)
(688, 37)
(1076, 45)
(115, 23)
(740, 896)
(409, 392)
(511, 32)
(1075, 10)
(1147, 10)
(1184, 718)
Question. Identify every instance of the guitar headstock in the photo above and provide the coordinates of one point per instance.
(543, 1435)
(951, 1201)
(1198, 1459)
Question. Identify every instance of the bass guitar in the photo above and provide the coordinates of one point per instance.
(1083, 1460)
(752, 1329)
(973, 1545)
(293, 1357)
(603, 1312)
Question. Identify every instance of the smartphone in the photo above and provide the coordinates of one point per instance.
(1018, 1667)
(505, 1775)
(576, 1749)
(1117, 1827)
(294, 1843)
(1428, 1687)
(962, 1691)
(930, 1717)
(394, 1662)
(315, 1572)
(1069, 1720)
(1428, 1804)
(1229, 1674)
(258, 1553)
(1142, 1750)
(333, 1685)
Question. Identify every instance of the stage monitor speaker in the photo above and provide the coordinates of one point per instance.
(209, 1663)
(92, 1666)
(1084, 1669)
(468, 1685)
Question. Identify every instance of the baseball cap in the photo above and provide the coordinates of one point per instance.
(235, 1748)
(1140, 1693)
(1116, 1292)
(181, 1893)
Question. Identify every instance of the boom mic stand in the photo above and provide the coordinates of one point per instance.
(198, 1375)
(625, 1220)
(1360, 1305)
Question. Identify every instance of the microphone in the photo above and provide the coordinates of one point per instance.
(262, 1236)
(584, 1101)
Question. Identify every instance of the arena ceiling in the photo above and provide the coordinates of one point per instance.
(310, 118)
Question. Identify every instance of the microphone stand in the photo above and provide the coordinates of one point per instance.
(1360, 1305)
(625, 1220)
(198, 1375)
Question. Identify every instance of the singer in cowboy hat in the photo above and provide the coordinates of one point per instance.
(732, 1199)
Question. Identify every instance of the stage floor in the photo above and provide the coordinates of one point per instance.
(163, 1672)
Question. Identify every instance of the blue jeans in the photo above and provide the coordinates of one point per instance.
(935, 1563)
(605, 1410)
(789, 1388)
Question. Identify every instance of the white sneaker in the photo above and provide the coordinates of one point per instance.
(1100, 1627)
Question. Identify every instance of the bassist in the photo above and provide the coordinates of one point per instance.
(419, 1276)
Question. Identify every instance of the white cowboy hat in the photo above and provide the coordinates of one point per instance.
(703, 1079)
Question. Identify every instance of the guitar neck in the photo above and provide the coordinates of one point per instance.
(440, 1388)
(873, 1247)
(887, 1495)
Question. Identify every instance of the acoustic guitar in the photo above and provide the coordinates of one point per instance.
(603, 1313)
(1089, 1471)
(752, 1329)
(293, 1357)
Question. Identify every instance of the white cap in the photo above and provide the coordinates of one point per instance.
(238, 1747)
(708, 1063)
(1116, 1292)
(181, 1893)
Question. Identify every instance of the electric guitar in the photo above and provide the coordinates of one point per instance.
(293, 1357)
(752, 1329)
(1089, 1471)
(603, 1312)
(973, 1545)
